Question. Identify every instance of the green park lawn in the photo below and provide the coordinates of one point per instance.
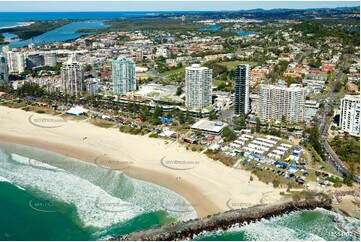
(174, 71)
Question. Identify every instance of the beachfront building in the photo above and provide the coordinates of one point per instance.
(350, 115)
(241, 91)
(124, 79)
(209, 127)
(4, 72)
(72, 76)
(16, 62)
(198, 87)
(279, 102)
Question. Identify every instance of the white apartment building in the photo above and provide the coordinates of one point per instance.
(16, 62)
(50, 58)
(350, 115)
(124, 77)
(276, 102)
(72, 76)
(198, 87)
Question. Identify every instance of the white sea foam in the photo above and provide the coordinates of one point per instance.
(273, 232)
(70, 189)
(19, 24)
(102, 198)
(3, 179)
(150, 197)
(162, 199)
(31, 162)
(293, 226)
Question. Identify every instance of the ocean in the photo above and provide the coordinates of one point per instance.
(47, 196)
(316, 225)
(17, 18)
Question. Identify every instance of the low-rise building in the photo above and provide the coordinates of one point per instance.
(209, 127)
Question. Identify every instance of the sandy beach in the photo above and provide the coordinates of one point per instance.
(208, 185)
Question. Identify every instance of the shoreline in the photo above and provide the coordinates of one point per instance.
(207, 185)
(134, 172)
(20, 24)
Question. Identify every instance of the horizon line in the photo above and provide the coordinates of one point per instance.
(165, 11)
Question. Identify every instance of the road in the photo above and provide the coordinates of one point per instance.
(157, 74)
(324, 123)
(227, 113)
(306, 53)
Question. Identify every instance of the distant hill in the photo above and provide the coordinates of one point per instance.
(277, 10)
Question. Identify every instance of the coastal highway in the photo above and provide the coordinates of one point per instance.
(332, 159)
(324, 123)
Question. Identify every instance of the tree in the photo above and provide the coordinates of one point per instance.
(258, 125)
(132, 107)
(6, 88)
(338, 87)
(283, 119)
(30, 89)
(222, 87)
(348, 150)
(155, 121)
(348, 180)
(179, 91)
(88, 68)
(229, 134)
(212, 116)
(169, 115)
(88, 42)
(217, 69)
(157, 112)
(144, 113)
(188, 117)
(240, 122)
(314, 139)
(232, 74)
(180, 116)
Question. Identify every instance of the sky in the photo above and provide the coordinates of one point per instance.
(73, 6)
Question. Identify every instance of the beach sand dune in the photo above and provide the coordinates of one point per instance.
(208, 185)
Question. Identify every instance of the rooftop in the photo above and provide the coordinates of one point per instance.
(123, 60)
(352, 97)
(207, 125)
(196, 67)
